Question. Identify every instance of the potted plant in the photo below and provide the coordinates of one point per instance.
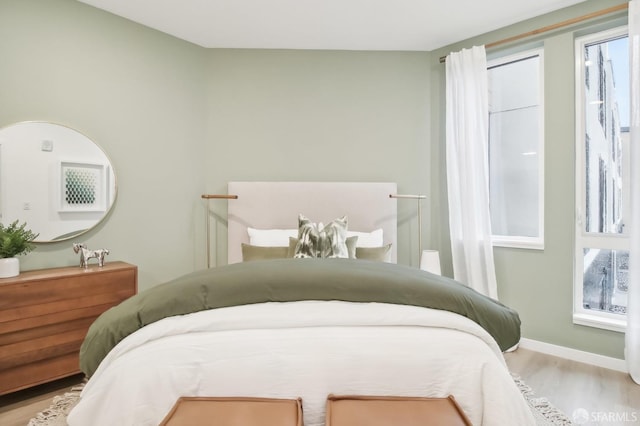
(14, 240)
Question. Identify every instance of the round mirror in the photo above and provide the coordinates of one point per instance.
(55, 179)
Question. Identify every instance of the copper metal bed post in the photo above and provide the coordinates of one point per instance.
(213, 197)
(419, 198)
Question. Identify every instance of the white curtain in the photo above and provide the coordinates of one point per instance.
(632, 337)
(467, 110)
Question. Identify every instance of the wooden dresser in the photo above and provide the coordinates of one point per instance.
(45, 314)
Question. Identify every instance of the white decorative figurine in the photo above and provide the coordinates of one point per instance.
(86, 254)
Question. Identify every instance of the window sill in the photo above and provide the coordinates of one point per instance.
(521, 243)
(598, 321)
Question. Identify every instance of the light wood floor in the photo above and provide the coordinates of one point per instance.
(568, 385)
(607, 395)
(16, 409)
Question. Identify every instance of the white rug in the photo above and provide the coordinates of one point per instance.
(61, 405)
(544, 412)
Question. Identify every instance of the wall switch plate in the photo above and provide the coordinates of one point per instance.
(47, 145)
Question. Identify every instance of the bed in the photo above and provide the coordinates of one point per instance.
(302, 328)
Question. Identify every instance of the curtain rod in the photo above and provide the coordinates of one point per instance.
(552, 27)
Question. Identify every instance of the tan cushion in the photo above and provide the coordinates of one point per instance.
(250, 252)
(393, 411)
(234, 411)
(378, 254)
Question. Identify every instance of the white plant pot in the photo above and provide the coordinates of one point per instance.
(9, 267)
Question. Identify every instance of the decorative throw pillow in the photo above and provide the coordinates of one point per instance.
(251, 252)
(351, 246)
(315, 240)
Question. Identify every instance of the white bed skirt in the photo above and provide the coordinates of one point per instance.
(303, 349)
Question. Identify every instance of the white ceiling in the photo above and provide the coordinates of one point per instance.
(328, 24)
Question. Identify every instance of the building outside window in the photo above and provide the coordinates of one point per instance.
(602, 179)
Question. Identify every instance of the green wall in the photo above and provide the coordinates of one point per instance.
(178, 120)
(140, 95)
(538, 284)
(297, 115)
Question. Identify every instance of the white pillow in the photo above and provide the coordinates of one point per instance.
(368, 239)
(280, 237)
(271, 237)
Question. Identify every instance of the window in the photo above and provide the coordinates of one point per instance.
(602, 184)
(516, 150)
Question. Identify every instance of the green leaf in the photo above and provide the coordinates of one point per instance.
(15, 240)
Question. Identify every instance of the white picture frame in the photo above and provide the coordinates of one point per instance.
(82, 187)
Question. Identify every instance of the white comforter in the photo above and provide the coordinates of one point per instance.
(303, 349)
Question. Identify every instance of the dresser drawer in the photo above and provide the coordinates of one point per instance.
(45, 314)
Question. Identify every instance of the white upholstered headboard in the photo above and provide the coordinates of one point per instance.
(276, 205)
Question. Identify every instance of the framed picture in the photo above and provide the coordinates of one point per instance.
(83, 187)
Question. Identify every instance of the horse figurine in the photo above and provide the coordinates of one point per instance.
(86, 254)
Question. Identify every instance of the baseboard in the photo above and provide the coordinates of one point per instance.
(575, 355)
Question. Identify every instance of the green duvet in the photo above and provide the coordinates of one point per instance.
(288, 280)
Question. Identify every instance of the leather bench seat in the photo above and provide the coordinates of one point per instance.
(393, 411)
(234, 411)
